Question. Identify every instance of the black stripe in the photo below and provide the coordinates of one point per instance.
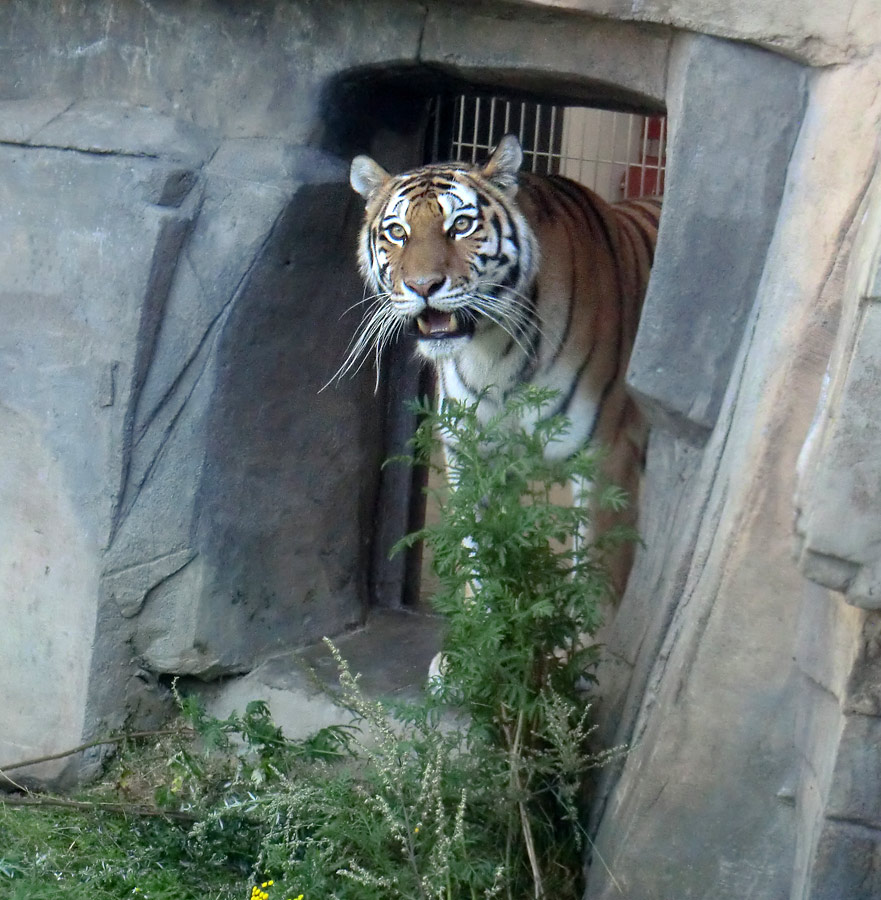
(566, 399)
(648, 240)
(616, 371)
(530, 358)
(495, 223)
(513, 275)
(570, 307)
(474, 391)
(601, 405)
(514, 236)
(635, 296)
(538, 197)
(590, 204)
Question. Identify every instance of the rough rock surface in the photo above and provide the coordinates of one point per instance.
(177, 496)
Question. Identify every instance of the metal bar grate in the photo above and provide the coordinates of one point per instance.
(619, 155)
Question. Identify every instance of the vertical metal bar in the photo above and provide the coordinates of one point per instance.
(595, 151)
(435, 137)
(475, 133)
(630, 120)
(581, 152)
(458, 153)
(645, 143)
(565, 132)
(551, 153)
(507, 116)
(492, 121)
(613, 192)
(662, 156)
(535, 138)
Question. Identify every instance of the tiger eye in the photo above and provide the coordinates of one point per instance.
(461, 224)
(397, 232)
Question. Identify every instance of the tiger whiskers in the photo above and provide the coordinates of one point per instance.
(511, 292)
(373, 299)
(378, 325)
(390, 331)
(514, 329)
(511, 316)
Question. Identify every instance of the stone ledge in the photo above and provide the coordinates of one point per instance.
(297, 685)
(592, 60)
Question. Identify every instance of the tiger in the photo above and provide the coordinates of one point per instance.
(506, 278)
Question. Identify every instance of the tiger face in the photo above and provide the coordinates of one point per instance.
(446, 252)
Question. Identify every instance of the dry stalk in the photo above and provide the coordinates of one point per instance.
(118, 739)
(514, 755)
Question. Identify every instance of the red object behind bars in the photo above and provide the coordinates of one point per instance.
(647, 176)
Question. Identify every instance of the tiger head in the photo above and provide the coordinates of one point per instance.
(446, 253)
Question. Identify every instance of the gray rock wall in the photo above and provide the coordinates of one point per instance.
(726, 178)
(158, 308)
(744, 690)
(178, 497)
(837, 528)
(163, 284)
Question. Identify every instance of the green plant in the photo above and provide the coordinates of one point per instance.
(473, 792)
(487, 805)
(519, 650)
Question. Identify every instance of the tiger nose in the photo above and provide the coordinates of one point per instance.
(425, 285)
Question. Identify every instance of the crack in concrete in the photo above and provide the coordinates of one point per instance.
(84, 151)
(131, 491)
(158, 289)
(420, 40)
(873, 832)
(45, 125)
(122, 570)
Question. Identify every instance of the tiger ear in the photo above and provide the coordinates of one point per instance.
(504, 164)
(367, 176)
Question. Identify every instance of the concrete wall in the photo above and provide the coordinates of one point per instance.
(177, 497)
(743, 679)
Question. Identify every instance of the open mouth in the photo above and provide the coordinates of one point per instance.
(432, 324)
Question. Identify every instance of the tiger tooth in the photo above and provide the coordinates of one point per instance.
(454, 324)
(424, 327)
